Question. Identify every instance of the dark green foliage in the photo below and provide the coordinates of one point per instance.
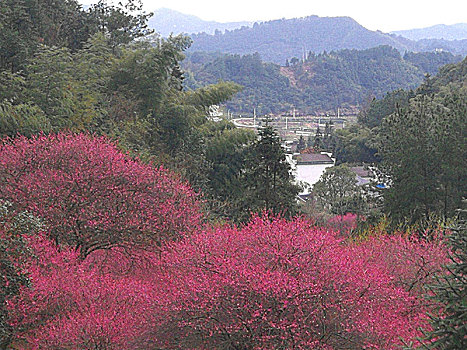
(430, 62)
(451, 74)
(122, 24)
(145, 73)
(393, 101)
(337, 191)
(355, 144)
(25, 25)
(50, 84)
(14, 227)
(449, 322)
(424, 154)
(323, 82)
(26, 119)
(225, 152)
(266, 179)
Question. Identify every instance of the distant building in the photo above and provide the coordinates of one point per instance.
(313, 158)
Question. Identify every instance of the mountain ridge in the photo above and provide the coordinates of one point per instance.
(166, 21)
(456, 31)
(282, 39)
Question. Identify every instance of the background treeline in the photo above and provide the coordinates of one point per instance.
(282, 39)
(318, 83)
(104, 82)
(417, 141)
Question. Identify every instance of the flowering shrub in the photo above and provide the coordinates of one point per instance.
(344, 223)
(91, 195)
(271, 284)
(75, 304)
(278, 284)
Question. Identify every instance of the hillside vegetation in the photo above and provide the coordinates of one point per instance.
(282, 39)
(338, 79)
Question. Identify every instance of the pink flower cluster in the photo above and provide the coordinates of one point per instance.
(279, 284)
(270, 284)
(91, 195)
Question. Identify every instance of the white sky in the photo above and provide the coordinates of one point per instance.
(384, 15)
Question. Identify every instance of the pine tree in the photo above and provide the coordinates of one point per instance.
(449, 322)
(267, 179)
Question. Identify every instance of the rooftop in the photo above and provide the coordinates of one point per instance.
(314, 158)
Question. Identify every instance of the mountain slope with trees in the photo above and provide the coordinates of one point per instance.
(119, 191)
(282, 39)
(324, 82)
(440, 31)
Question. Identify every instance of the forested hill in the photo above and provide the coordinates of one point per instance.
(440, 31)
(321, 83)
(280, 39)
(165, 22)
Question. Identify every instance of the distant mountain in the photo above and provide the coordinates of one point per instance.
(440, 31)
(457, 47)
(283, 39)
(166, 22)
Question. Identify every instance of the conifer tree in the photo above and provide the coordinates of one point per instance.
(449, 322)
(267, 179)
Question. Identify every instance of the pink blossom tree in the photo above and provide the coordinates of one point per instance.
(271, 284)
(278, 284)
(92, 196)
(103, 302)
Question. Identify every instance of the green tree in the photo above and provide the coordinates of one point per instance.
(226, 146)
(50, 85)
(424, 155)
(27, 24)
(355, 145)
(25, 119)
(16, 34)
(301, 144)
(372, 115)
(122, 24)
(337, 191)
(449, 321)
(318, 139)
(14, 227)
(12, 87)
(267, 179)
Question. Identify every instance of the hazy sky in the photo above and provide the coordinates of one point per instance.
(384, 15)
